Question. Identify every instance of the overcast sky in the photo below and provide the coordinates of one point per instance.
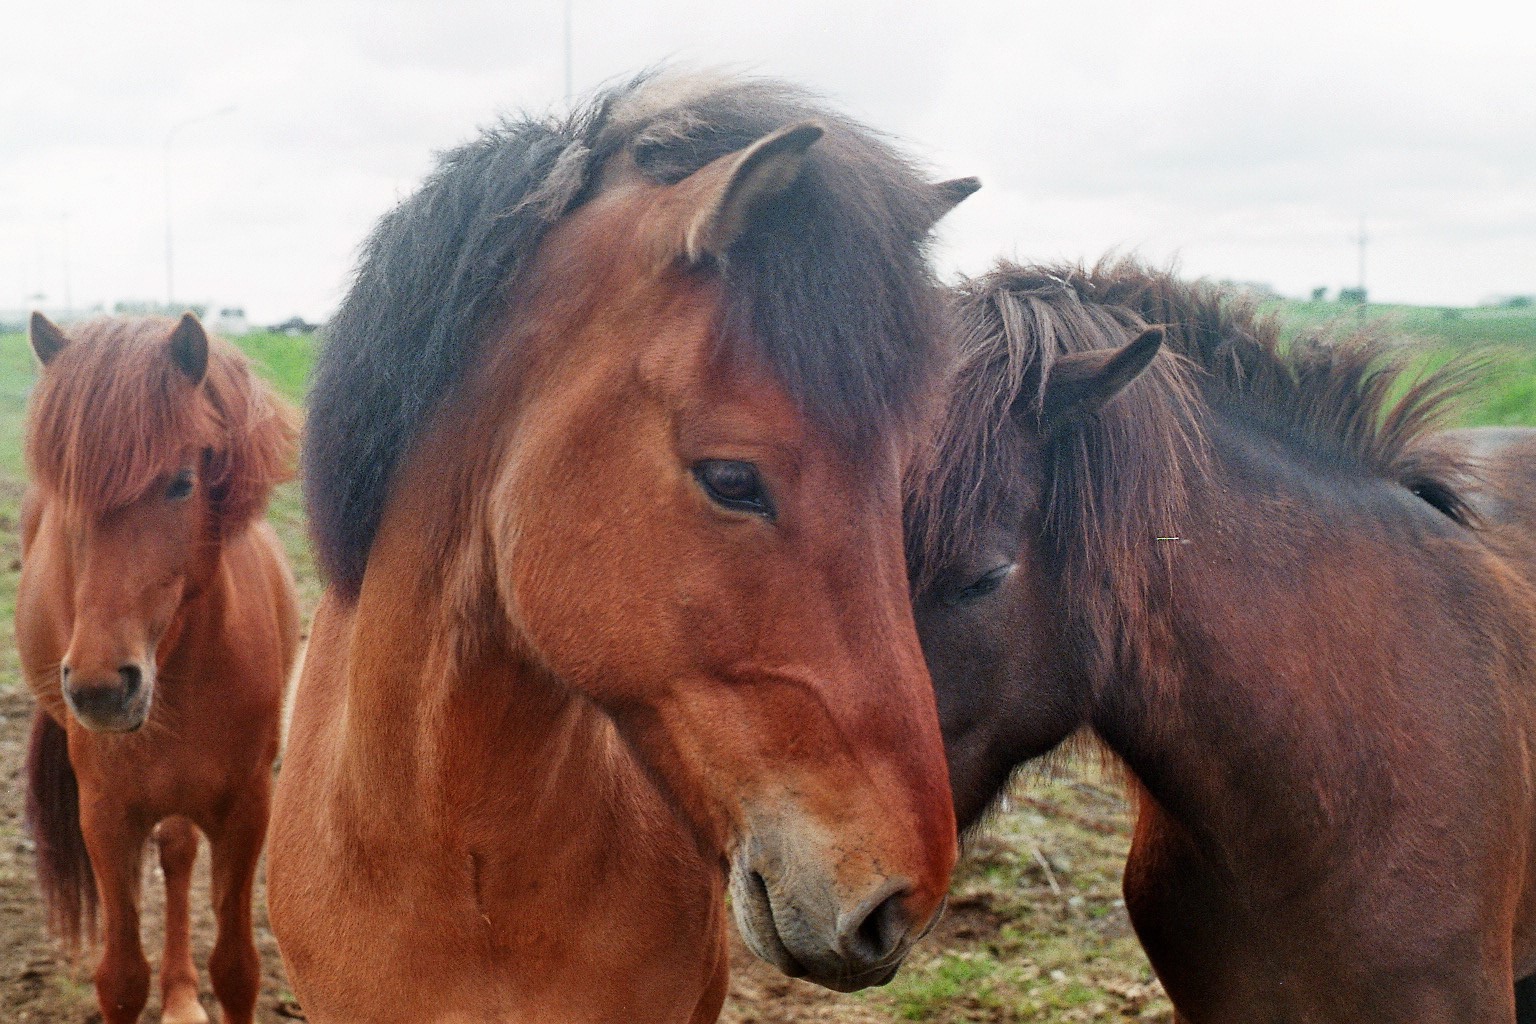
(1245, 140)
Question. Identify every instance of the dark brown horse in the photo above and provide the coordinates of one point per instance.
(604, 464)
(157, 624)
(1258, 577)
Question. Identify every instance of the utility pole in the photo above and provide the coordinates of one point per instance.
(1361, 239)
(568, 52)
(69, 302)
(170, 136)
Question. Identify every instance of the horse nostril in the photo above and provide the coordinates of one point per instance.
(879, 933)
(64, 674)
(132, 676)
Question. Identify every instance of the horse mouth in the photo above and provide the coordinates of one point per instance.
(124, 716)
(754, 919)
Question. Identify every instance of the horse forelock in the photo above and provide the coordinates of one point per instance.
(832, 288)
(1122, 479)
(113, 415)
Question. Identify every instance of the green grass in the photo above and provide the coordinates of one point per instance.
(1504, 395)
(282, 359)
(1438, 325)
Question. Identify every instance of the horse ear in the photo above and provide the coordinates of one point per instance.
(1081, 384)
(189, 348)
(737, 186)
(946, 195)
(46, 338)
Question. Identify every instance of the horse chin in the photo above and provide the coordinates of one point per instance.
(123, 724)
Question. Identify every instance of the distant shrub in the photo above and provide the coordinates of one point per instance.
(1320, 294)
(1352, 296)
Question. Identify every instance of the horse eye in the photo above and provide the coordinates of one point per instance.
(979, 589)
(181, 486)
(734, 485)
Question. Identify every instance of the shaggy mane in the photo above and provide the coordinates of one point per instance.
(833, 289)
(1123, 476)
(110, 417)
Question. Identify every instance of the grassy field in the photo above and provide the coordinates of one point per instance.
(1036, 930)
(1506, 335)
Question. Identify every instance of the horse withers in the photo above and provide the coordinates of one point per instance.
(604, 464)
(157, 624)
(1302, 619)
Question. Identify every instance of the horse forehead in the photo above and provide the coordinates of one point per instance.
(662, 319)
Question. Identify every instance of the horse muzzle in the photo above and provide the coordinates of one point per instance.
(108, 703)
(798, 919)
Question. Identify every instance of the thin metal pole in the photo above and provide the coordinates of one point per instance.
(170, 136)
(69, 302)
(170, 287)
(568, 89)
(1362, 240)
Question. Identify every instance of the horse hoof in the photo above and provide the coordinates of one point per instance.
(186, 1010)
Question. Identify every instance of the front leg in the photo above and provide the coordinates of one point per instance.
(177, 839)
(237, 840)
(115, 841)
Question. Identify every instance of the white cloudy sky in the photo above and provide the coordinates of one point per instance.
(1244, 139)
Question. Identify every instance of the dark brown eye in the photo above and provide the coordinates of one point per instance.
(181, 486)
(978, 589)
(734, 485)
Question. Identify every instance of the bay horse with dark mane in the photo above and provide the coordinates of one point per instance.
(604, 466)
(1300, 617)
(157, 625)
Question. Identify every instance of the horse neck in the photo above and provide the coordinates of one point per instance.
(1240, 693)
(459, 716)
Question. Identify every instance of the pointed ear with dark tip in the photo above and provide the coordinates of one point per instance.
(1083, 383)
(946, 195)
(736, 187)
(189, 348)
(46, 338)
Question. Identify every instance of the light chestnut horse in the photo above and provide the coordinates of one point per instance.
(604, 464)
(157, 625)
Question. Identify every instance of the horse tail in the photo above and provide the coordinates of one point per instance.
(53, 821)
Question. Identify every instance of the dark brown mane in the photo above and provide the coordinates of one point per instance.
(111, 417)
(833, 290)
(1122, 479)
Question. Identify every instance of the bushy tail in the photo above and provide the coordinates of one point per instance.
(53, 820)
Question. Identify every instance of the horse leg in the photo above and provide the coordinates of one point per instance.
(116, 848)
(235, 966)
(177, 839)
